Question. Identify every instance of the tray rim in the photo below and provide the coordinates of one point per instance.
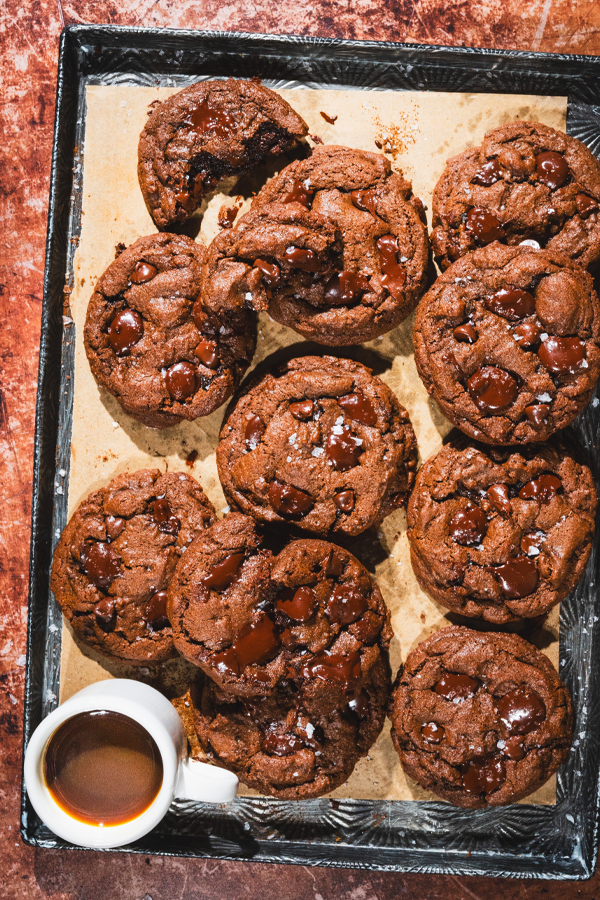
(73, 40)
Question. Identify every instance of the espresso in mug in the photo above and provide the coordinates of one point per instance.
(103, 768)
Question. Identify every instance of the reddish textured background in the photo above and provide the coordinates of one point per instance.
(30, 34)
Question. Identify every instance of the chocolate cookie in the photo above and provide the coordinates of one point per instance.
(321, 443)
(500, 534)
(115, 559)
(250, 621)
(209, 131)
(526, 182)
(480, 719)
(335, 247)
(508, 342)
(293, 745)
(154, 344)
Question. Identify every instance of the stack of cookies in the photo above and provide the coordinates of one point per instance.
(292, 644)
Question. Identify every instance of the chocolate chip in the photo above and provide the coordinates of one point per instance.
(305, 260)
(489, 173)
(492, 389)
(302, 409)
(511, 303)
(359, 408)
(156, 611)
(289, 501)
(468, 526)
(465, 334)
(299, 193)
(551, 169)
(143, 272)
(207, 353)
(255, 428)
(484, 226)
(182, 380)
(125, 330)
(562, 355)
(344, 500)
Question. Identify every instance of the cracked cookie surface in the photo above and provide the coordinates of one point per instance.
(480, 719)
(154, 344)
(508, 342)
(500, 534)
(321, 443)
(115, 559)
(251, 621)
(527, 182)
(204, 133)
(335, 247)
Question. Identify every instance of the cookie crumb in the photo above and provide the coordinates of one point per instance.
(331, 119)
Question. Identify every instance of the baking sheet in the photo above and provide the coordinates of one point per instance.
(419, 131)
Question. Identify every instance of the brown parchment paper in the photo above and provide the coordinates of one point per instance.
(418, 131)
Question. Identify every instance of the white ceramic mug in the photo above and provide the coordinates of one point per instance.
(183, 778)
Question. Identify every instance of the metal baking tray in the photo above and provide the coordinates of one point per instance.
(559, 842)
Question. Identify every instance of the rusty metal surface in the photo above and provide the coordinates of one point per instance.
(30, 36)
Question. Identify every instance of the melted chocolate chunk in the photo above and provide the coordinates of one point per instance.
(156, 611)
(105, 613)
(101, 564)
(483, 776)
(255, 428)
(298, 604)
(164, 518)
(492, 389)
(538, 414)
(342, 450)
(224, 573)
(270, 272)
(394, 275)
(302, 409)
(468, 526)
(299, 194)
(346, 604)
(333, 565)
(498, 496)
(511, 303)
(182, 380)
(365, 200)
(531, 542)
(522, 711)
(344, 288)
(551, 169)
(114, 527)
(586, 205)
(562, 355)
(432, 732)
(543, 489)
(209, 117)
(465, 334)
(518, 577)
(456, 686)
(305, 260)
(256, 644)
(125, 330)
(484, 226)
(360, 705)
(289, 501)
(527, 335)
(342, 670)
(282, 744)
(513, 748)
(345, 500)
(207, 353)
(143, 272)
(359, 408)
(489, 173)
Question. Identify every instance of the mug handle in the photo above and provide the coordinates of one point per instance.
(208, 784)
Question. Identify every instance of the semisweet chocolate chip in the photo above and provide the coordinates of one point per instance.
(345, 500)
(492, 389)
(125, 330)
(359, 408)
(299, 193)
(101, 564)
(256, 644)
(289, 501)
(562, 355)
(302, 409)
(164, 518)
(343, 450)
(143, 272)
(537, 414)
(465, 334)
(181, 380)
(489, 173)
(282, 744)
(512, 303)
(207, 353)
(456, 686)
(305, 260)
(224, 573)
(334, 668)
(468, 526)
(543, 489)
(521, 710)
(518, 577)
(207, 116)
(530, 544)
(156, 611)
(394, 275)
(255, 428)
(527, 335)
(483, 226)
(481, 776)
(270, 272)
(432, 732)
(365, 200)
(344, 288)
(586, 205)
(551, 169)
(498, 496)
(299, 604)
(106, 614)
(333, 565)
(513, 748)
(346, 604)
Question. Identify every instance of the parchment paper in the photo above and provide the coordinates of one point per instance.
(419, 131)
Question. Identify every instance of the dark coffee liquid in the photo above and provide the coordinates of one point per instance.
(102, 768)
